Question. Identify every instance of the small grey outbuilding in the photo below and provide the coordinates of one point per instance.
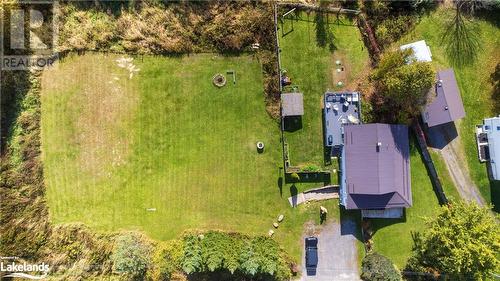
(292, 104)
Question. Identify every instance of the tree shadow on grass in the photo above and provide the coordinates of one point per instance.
(309, 177)
(225, 275)
(461, 40)
(377, 224)
(324, 35)
(280, 185)
(495, 95)
(292, 123)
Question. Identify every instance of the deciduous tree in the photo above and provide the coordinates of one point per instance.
(462, 243)
(402, 85)
(131, 255)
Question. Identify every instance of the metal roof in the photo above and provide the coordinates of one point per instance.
(292, 104)
(377, 166)
(447, 105)
(421, 51)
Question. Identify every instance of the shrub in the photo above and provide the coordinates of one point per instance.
(401, 87)
(131, 255)
(311, 168)
(166, 260)
(376, 267)
(295, 176)
(391, 29)
(216, 251)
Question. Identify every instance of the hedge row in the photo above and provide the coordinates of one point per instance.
(253, 256)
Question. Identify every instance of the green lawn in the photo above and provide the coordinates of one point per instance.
(444, 176)
(309, 59)
(474, 84)
(167, 139)
(311, 66)
(393, 237)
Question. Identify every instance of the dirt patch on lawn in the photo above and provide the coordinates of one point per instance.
(351, 81)
(340, 72)
(104, 101)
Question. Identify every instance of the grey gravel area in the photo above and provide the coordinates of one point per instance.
(337, 253)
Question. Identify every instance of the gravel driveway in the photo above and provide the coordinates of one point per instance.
(337, 253)
(446, 140)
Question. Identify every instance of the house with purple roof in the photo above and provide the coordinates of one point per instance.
(445, 103)
(375, 170)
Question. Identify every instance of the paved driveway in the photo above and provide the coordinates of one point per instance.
(337, 253)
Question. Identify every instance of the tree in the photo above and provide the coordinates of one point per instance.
(131, 255)
(167, 260)
(402, 85)
(462, 243)
(376, 267)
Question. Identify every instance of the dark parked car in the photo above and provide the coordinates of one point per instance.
(311, 254)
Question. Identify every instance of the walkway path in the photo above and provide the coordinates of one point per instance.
(316, 194)
(337, 253)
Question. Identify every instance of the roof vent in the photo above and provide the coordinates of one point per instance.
(379, 144)
(446, 108)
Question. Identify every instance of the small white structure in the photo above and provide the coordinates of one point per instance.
(421, 51)
(488, 144)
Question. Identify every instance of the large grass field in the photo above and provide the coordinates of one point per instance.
(308, 57)
(165, 139)
(473, 81)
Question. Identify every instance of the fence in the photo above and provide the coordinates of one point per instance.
(431, 169)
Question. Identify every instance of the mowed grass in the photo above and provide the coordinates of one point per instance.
(474, 83)
(392, 237)
(449, 188)
(166, 140)
(312, 68)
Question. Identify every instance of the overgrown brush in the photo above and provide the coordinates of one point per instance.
(227, 27)
(173, 28)
(24, 225)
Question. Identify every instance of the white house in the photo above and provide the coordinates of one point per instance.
(488, 142)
